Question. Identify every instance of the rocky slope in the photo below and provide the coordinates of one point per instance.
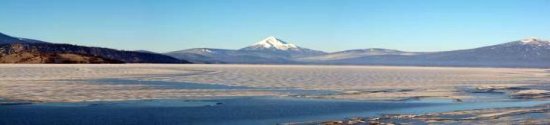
(21, 50)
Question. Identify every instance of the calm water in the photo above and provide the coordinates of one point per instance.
(237, 111)
(251, 110)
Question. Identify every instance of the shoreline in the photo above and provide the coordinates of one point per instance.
(475, 116)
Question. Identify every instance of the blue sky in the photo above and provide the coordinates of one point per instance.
(329, 25)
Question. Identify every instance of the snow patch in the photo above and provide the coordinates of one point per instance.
(529, 40)
(272, 42)
(533, 40)
(206, 50)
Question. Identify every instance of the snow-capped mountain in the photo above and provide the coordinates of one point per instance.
(269, 50)
(272, 45)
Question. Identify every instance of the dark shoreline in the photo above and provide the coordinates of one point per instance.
(459, 116)
(519, 115)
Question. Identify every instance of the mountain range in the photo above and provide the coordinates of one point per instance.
(529, 52)
(23, 50)
(269, 50)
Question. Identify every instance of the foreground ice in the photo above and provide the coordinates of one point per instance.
(73, 83)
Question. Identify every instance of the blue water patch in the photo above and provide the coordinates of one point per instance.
(5, 102)
(135, 103)
(167, 84)
(238, 111)
(225, 111)
(164, 103)
(468, 106)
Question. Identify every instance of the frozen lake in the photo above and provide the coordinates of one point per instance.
(250, 94)
(75, 83)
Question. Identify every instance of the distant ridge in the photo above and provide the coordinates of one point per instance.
(6, 39)
(21, 50)
(356, 53)
(530, 52)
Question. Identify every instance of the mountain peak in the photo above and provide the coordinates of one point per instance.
(530, 39)
(533, 40)
(274, 46)
(273, 42)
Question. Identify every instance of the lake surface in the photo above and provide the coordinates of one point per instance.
(238, 111)
(273, 93)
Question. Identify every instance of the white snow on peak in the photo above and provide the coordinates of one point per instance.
(206, 50)
(272, 42)
(530, 39)
(535, 41)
